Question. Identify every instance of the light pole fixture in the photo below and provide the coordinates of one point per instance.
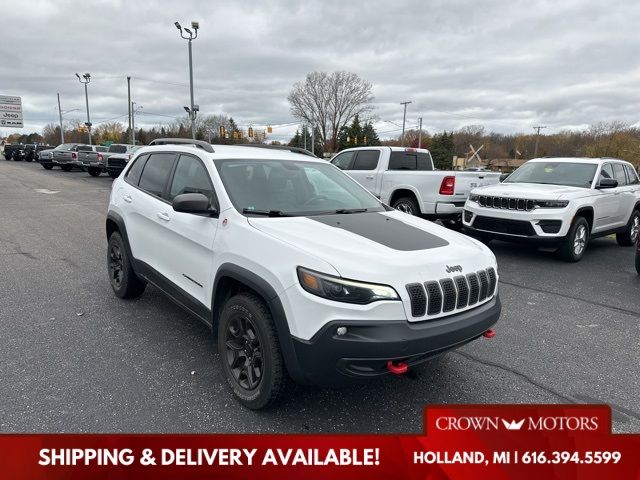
(404, 119)
(86, 78)
(190, 35)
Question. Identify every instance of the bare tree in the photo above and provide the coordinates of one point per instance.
(330, 101)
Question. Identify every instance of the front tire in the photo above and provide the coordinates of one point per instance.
(576, 241)
(113, 175)
(124, 281)
(46, 166)
(66, 168)
(250, 352)
(94, 171)
(407, 205)
(629, 237)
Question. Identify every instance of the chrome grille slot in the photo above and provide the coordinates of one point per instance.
(474, 288)
(484, 285)
(449, 295)
(434, 298)
(491, 273)
(463, 291)
(418, 299)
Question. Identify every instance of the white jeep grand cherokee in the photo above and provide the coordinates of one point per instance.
(559, 201)
(299, 270)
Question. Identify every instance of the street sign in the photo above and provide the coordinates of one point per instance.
(10, 111)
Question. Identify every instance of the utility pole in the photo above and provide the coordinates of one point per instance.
(87, 79)
(537, 129)
(313, 146)
(191, 36)
(60, 115)
(404, 119)
(131, 134)
(132, 106)
(420, 133)
(304, 134)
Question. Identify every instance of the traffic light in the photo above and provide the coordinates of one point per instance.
(222, 131)
(364, 140)
(250, 132)
(269, 129)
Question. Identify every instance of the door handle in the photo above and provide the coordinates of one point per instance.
(164, 216)
(369, 177)
(127, 198)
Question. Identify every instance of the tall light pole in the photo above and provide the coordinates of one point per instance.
(60, 115)
(420, 134)
(132, 106)
(190, 36)
(87, 79)
(404, 119)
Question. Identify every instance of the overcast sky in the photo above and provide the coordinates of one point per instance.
(507, 64)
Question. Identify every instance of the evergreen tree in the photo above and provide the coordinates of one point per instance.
(370, 135)
(442, 150)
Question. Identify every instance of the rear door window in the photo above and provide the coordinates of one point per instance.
(366, 160)
(344, 160)
(619, 174)
(156, 173)
(632, 174)
(403, 161)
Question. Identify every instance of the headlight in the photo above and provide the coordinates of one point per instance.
(552, 203)
(474, 197)
(341, 290)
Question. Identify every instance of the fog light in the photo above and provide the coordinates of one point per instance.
(341, 331)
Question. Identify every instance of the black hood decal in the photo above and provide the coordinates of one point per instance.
(385, 230)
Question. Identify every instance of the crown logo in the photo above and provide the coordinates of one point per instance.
(513, 425)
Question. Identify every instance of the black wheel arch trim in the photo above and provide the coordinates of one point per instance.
(270, 296)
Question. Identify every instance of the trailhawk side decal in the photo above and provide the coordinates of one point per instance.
(385, 230)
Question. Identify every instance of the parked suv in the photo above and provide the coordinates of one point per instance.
(299, 270)
(560, 201)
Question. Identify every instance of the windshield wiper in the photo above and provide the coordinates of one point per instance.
(266, 213)
(351, 210)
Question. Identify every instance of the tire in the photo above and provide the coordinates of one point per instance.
(47, 166)
(113, 175)
(638, 261)
(629, 237)
(575, 243)
(123, 280)
(247, 338)
(66, 168)
(94, 171)
(407, 205)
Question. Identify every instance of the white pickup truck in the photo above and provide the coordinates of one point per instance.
(404, 178)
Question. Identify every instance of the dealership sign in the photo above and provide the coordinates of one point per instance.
(10, 111)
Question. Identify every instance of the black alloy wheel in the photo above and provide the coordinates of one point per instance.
(243, 352)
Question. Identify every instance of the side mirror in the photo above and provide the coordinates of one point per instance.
(607, 183)
(195, 203)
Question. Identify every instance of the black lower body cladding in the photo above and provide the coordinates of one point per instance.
(363, 352)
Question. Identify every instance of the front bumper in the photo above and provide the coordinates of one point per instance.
(363, 352)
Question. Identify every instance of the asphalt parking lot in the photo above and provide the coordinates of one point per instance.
(74, 358)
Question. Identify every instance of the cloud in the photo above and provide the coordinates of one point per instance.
(505, 64)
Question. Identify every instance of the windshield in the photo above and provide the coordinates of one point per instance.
(290, 187)
(555, 173)
(65, 146)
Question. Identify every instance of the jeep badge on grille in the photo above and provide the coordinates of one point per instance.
(454, 268)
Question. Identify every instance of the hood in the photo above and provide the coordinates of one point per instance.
(532, 191)
(386, 247)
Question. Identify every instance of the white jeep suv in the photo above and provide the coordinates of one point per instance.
(559, 201)
(298, 270)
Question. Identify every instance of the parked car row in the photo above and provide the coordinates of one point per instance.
(557, 202)
(27, 152)
(95, 159)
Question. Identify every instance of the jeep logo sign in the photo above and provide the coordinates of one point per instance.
(454, 268)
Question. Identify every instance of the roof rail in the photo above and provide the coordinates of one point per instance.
(183, 141)
(279, 147)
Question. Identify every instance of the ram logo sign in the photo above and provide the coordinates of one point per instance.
(10, 111)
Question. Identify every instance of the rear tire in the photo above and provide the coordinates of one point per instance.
(575, 243)
(94, 172)
(629, 237)
(124, 281)
(47, 167)
(113, 175)
(66, 168)
(407, 205)
(250, 352)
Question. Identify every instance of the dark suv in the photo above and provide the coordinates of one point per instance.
(9, 150)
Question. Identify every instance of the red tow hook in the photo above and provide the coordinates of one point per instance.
(399, 368)
(489, 333)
